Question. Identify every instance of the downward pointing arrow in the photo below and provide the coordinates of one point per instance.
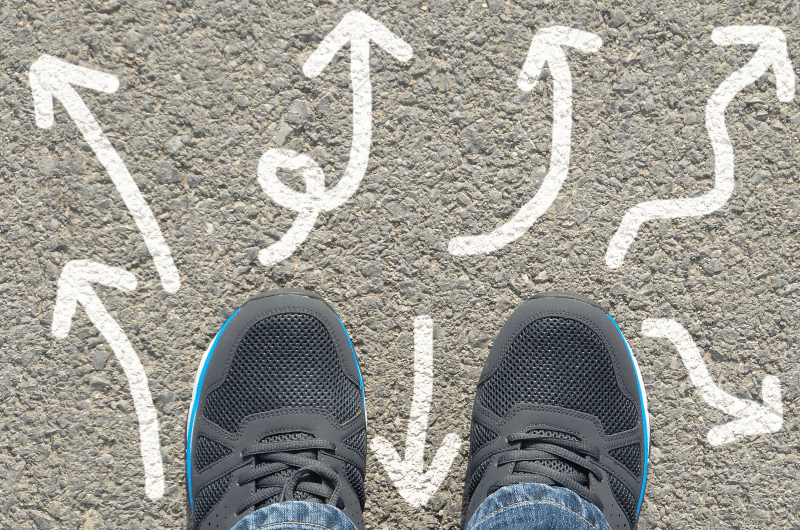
(753, 418)
(407, 475)
(74, 287)
(771, 52)
(358, 29)
(546, 48)
(53, 78)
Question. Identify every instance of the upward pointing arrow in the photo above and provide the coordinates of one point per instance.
(772, 53)
(546, 48)
(53, 78)
(74, 287)
(358, 29)
(407, 474)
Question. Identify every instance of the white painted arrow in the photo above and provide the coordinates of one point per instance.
(358, 29)
(53, 78)
(753, 417)
(546, 48)
(771, 52)
(74, 287)
(407, 475)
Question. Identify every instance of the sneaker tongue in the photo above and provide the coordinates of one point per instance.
(260, 461)
(556, 464)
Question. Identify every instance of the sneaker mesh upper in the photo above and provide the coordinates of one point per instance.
(356, 481)
(561, 466)
(358, 442)
(476, 477)
(208, 451)
(481, 435)
(285, 360)
(560, 362)
(624, 498)
(629, 456)
(207, 497)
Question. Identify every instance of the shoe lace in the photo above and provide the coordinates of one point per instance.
(553, 461)
(291, 470)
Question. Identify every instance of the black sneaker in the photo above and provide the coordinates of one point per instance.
(277, 413)
(561, 402)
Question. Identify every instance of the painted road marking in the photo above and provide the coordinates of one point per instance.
(546, 48)
(407, 474)
(53, 78)
(74, 287)
(358, 29)
(772, 52)
(753, 418)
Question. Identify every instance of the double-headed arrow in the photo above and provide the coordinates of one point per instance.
(546, 48)
(407, 474)
(752, 418)
(771, 52)
(74, 287)
(53, 78)
(358, 29)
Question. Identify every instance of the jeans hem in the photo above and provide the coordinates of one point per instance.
(520, 503)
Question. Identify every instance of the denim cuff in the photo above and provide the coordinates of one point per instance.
(295, 515)
(534, 506)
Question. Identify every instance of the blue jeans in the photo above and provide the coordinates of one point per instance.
(517, 507)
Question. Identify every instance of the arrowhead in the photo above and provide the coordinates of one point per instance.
(355, 26)
(756, 419)
(414, 486)
(752, 418)
(546, 46)
(772, 51)
(74, 285)
(48, 76)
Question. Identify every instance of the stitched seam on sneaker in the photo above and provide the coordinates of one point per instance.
(533, 502)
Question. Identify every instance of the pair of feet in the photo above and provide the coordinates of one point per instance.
(278, 411)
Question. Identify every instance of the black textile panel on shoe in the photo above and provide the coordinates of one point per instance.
(536, 364)
(272, 368)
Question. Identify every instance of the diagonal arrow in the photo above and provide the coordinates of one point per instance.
(53, 78)
(753, 418)
(358, 29)
(546, 48)
(407, 475)
(74, 287)
(772, 52)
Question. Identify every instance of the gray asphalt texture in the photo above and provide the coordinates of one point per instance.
(207, 87)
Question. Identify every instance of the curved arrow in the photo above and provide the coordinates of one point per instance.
(546, 48)
(752, 418)
(413, 485)
(53, 78)
(358, 29)
(771, 52)
(74, 287)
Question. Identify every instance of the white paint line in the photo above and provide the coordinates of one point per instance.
(358, 29)
(753, 418)
(546, 48)
(74, 287)
(53, 78)
(407, 474)
(771, 52)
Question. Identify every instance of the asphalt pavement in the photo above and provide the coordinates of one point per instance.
(457, 149)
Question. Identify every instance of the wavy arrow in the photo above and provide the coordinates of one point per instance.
(407, 475)
(53, 78)
(358, 29)
(753, 418)
(546, 48)
(74, 287)
(772, 52)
